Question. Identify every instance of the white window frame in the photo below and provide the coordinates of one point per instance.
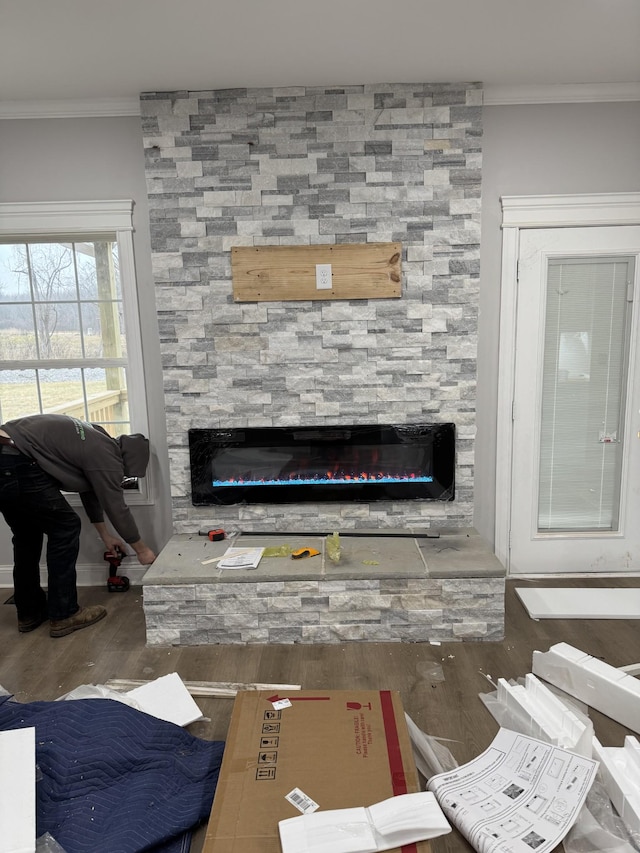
(538, 211)
(28, 221)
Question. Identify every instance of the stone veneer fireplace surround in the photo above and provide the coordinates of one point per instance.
(303, 166)
(309, 166)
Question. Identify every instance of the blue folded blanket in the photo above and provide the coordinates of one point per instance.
(113, 779)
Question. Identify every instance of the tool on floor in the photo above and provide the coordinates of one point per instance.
(116, 582)
(214, 535)
(304, 552)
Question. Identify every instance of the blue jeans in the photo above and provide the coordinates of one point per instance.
(33, 507)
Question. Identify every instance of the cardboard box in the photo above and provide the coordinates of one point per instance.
(341, 748)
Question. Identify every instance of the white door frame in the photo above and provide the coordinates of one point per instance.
(539, 211)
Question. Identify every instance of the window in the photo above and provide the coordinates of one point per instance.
(69, 327)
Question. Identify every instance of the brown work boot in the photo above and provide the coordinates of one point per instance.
(26, 625)
(82, 619)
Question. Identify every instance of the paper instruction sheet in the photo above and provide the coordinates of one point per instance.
(520, 795)
(241, 558)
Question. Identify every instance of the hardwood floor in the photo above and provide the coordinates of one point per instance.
(439, 685)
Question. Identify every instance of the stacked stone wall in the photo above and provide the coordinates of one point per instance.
(305, 166)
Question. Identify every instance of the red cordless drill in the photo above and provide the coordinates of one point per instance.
(115, 582)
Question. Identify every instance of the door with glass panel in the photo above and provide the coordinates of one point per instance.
(576, 409)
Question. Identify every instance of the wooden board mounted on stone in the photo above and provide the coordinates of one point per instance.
(280, 273)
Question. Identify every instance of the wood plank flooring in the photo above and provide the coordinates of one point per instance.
(439, 685)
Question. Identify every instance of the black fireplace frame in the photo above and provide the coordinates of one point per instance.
(438, 438)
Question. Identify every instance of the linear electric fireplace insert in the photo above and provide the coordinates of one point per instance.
(323, 463)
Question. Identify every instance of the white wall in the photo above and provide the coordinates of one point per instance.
(75, 160)
(576, 148)
(530, 150)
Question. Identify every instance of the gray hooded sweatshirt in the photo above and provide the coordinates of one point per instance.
(84, 458)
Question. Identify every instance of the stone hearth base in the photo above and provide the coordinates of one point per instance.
(384, 589)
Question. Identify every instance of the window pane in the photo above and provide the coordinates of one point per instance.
(17, 338)
(103, 329)
(95, 394)
(18, 394)
(62, 392)
(584, 379)
(52, 271)
(86, 266)
(98, 270)
(58, 326)
(108, 400)
(14, 280)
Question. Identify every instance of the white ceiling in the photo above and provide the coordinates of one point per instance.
(85, 49)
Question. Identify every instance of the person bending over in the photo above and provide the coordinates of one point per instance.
(40, 455)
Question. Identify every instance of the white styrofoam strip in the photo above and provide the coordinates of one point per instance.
(599, 685)
(620, 774)
(546, 716)
(18, 791)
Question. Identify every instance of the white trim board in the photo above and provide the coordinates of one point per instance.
(29, 218)
(580, 602)
(570, 211)
(18, 791)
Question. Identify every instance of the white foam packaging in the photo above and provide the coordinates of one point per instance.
(620, 772)
(602, 686)
(385, 825)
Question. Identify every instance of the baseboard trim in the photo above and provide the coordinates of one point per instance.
(88, 575)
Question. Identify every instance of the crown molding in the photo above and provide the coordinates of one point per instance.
(498, 95)
(562, 93)
(71, 108)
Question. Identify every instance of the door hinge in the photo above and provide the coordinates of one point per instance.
(518, 270)
(513, 410)
(629, 291)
